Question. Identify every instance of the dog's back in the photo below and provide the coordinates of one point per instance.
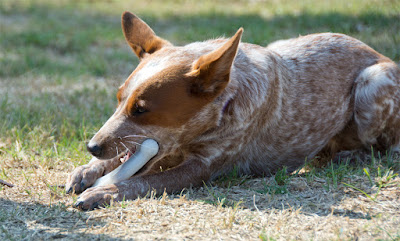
(301, 93)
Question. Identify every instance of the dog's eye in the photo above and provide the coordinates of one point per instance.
(139, 110)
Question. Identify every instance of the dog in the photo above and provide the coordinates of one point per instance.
(215, 105)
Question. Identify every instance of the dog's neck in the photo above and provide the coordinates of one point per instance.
(261, 87)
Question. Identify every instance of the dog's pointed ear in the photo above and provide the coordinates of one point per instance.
(140, 36)
(211, 71)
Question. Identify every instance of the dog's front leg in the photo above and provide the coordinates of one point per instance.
(192, 172)
(84, 176)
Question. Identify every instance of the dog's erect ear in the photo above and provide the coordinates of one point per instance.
(212, 70)
(140, 36)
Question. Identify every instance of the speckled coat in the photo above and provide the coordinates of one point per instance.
(218, 104)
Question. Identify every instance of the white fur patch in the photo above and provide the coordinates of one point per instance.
(374, 77)
(151, 69)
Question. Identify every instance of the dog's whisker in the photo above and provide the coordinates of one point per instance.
(127, 149)
(134, 142)
(128, 136)
(176, 142)
(116, 147)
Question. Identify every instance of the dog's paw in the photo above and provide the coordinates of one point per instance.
(83, 177)
(353, 156)
(97, 197)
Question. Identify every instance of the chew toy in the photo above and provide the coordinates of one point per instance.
(143, 154)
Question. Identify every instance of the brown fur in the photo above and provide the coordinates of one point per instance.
(218, 104)
(140, 36)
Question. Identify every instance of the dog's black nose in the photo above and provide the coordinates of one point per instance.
(94, 148)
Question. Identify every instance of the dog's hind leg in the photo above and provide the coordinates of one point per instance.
(377, 106)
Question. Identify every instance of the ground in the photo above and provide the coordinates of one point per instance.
(60, 65)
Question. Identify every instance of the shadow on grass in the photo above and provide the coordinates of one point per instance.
(28, 221)
(321, 190)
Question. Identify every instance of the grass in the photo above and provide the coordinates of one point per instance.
(60, 65)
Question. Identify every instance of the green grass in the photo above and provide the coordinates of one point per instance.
(73, 38)
(62, 61)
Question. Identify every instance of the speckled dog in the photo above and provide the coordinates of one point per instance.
(217, 104)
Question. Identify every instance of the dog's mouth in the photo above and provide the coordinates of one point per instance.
(136, 157)
(132, 161)
(128, 154)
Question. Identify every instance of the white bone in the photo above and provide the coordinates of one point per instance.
(147, 150)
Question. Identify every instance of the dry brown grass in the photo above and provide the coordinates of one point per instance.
(236, 208)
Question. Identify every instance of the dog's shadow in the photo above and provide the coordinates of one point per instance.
(30, 221)
(320, 189)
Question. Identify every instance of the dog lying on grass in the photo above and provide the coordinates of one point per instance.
(209, 106)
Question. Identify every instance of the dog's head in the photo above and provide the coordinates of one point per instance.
(169, 96)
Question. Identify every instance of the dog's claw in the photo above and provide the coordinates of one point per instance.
(69, 190)
(83, 183)
(79, 205)
(94, 205)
